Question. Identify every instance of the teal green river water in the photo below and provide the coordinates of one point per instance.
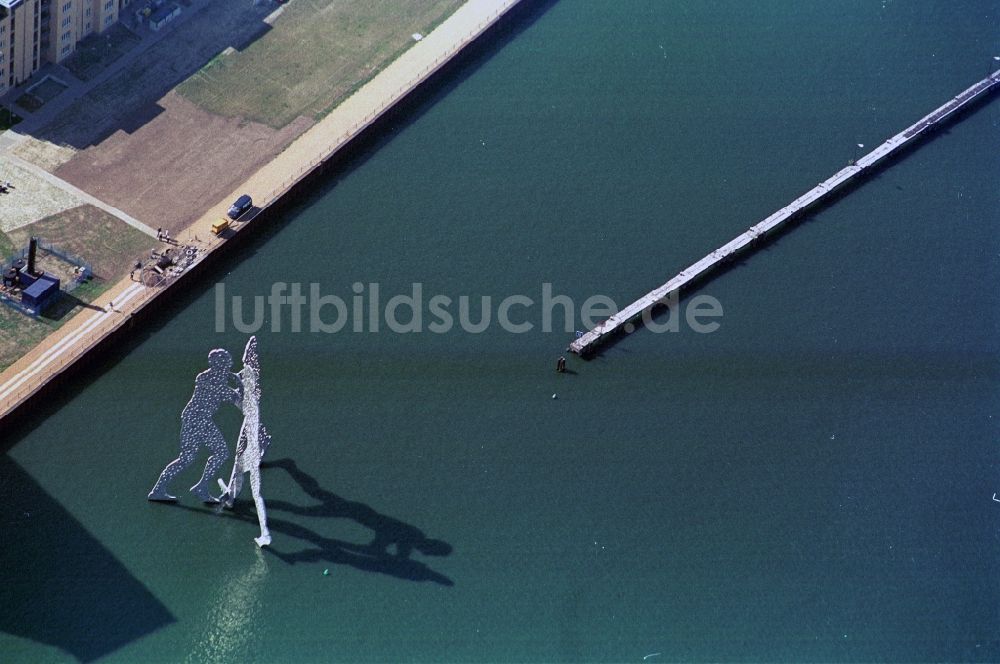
(813, 481)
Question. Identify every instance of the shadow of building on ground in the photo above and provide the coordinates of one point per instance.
(65, 304)
(127, 100)
(61, 586)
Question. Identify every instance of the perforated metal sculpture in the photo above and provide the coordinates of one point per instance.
(252, 443)
(212, 388)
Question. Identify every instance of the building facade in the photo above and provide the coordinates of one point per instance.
(33, 32)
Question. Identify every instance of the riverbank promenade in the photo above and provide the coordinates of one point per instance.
(116, 307)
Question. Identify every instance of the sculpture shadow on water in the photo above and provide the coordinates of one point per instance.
(390, 551)
(62, 587)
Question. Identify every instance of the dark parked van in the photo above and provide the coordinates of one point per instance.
(240, 206)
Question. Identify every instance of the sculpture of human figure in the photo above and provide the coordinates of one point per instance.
(212, 388)
(252, 442)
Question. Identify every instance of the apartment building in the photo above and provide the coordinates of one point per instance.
(20, 26)
(33, 32)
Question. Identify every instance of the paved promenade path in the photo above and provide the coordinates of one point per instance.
(40, 363)
(350, 118)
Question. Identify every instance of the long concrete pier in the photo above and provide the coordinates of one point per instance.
(294, 169)
(625, 320)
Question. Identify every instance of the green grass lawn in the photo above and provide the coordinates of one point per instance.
(6, 246)
(316, 55)
(104, 241)
(29, 102)
(8, 119)
(19, 333)
(69, 304)
(89, 290)
(91, 233)
(48, 89)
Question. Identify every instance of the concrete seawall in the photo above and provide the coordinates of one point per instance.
(89, 336)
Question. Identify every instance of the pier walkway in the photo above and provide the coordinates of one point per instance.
(624, 320)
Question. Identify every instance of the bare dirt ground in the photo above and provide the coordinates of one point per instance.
(54, 265)
(92, 234)
(163, 159)
(171, 169)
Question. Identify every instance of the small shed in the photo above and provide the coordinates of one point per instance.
(163, 15)
(38, 295)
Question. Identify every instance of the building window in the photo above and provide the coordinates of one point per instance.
(67, 6)
(88, 11)
(66, 21)
(88, 27)
(108, 5)
(109, 20)
(65, 36)
(65, 49)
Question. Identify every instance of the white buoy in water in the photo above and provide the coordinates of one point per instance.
(555, 396)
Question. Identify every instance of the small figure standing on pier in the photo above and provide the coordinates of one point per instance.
(561, 365)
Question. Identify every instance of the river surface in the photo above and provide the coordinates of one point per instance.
(812, 481)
